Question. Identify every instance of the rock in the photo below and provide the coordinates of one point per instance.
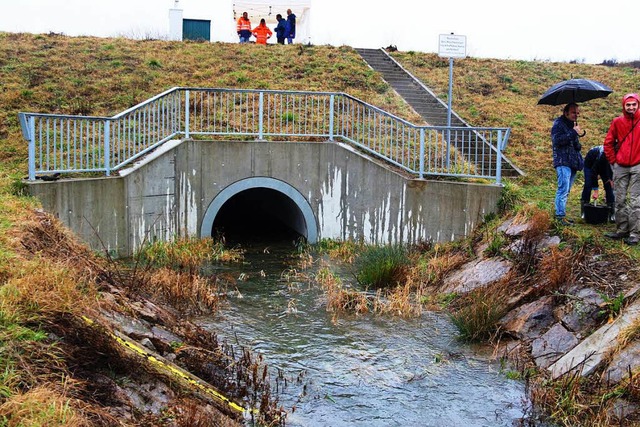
(584, 311)
(152, 312)
(128, 325)
(622, 408)
(476, 274)
(552, 345)
(147, 343)
(164, 335)
(529, 320)
(513, 229)
(150, 397)
(593, 349)
(546, 242)
(627, 358)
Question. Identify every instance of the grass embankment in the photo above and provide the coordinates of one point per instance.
(45, 286)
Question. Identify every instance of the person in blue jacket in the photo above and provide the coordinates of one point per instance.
(290, 30)
(280, 29)
(596, 165)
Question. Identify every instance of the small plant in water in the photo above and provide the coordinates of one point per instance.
(381, 266)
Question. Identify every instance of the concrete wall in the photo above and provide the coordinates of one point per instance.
(351, 196)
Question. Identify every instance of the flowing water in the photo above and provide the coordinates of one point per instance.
(361, 370)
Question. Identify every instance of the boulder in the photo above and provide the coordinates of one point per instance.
(529, 320)
(552, 345)
(622, 362)
(583, 311)
(512, 228)
(476, 274)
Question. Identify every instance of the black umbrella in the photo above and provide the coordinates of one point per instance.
(574, 90)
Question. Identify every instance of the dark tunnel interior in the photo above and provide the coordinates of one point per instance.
(259, 215)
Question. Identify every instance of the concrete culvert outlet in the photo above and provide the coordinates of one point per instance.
(259, 214)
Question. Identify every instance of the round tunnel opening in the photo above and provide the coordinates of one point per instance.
(259, 215)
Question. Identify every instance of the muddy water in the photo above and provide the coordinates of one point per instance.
(361, 370)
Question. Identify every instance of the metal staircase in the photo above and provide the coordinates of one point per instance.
(420, 98)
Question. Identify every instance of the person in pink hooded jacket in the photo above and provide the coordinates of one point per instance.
(622, 148)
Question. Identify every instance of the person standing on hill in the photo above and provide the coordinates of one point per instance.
(290, 29)
(280, 28)
(596, 165)
(244, 28)
(622, 148)
(262, 33)
(567, 159)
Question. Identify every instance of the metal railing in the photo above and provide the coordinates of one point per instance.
(67, 143)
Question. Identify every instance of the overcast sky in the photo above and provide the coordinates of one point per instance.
(543, 30)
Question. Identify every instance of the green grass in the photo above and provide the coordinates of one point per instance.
(381, 266)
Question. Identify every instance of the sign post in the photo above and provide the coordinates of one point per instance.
(451, 46)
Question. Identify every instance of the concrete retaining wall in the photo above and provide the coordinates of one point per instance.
(351, 196)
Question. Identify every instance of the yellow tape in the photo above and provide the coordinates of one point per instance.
(173, 369)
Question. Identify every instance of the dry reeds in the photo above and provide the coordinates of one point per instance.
(185, 291)
(187, 253)
(476, 314)
(557, 268)
(340, 299)
(399, 301)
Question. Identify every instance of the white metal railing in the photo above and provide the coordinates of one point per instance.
(66, 143)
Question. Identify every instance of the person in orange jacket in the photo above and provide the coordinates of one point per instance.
(262, 32)
(244, 28)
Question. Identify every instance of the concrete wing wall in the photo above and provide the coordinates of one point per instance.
(93, 208)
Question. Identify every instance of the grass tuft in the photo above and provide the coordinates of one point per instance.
(382, 266)
(476, 314)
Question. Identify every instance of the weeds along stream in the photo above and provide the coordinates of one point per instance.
(357, 370)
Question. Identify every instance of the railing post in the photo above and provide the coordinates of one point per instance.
(186, 113)
(260, 116)
(32, 148)
(421, 174)
(331, 103)
(107, 147)
(499, 159)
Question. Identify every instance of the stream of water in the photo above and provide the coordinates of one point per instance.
(361, 370)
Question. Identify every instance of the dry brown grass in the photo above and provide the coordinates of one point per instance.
(56, 275)
(558, 267)
(430, 269)
(573, 400)
(47, 289)
(401, 301)
(189, 292)
(42, 406)
(339, 298)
